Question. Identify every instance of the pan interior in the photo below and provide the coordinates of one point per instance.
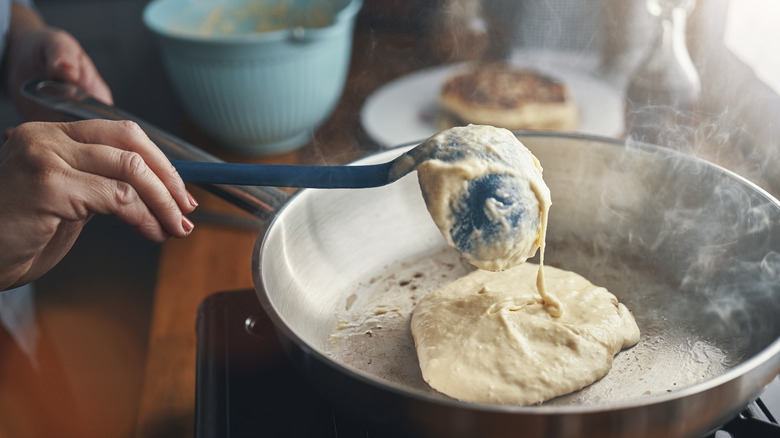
(688, 247)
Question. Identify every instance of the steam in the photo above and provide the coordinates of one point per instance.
(711, 234)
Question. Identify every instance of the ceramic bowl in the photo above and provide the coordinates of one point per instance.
(256, 75)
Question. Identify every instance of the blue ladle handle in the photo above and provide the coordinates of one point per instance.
(281, 175)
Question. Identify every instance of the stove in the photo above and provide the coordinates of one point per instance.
(246, 386)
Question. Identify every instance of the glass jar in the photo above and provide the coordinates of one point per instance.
(663, 93)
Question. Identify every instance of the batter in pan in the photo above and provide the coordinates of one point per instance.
(487, 337)
(524, 333)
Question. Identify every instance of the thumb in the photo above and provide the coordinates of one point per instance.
(61, 57)
(66, 60)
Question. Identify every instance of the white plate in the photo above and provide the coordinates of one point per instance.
(404, 110)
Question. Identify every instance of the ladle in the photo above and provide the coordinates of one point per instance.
(510, 219)
(283, 175)
(491, 211)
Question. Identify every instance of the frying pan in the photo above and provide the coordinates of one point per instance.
(692, 249)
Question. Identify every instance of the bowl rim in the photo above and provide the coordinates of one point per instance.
(341, 19)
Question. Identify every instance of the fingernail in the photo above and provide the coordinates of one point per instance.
(192, 200)
(187, 225)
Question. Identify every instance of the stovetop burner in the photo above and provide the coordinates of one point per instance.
(246, 386)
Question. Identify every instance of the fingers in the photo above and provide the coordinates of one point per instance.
(102, 195)
(65, 59)
(52, 183)
(132, 179)
(128, 136)
(120, 183)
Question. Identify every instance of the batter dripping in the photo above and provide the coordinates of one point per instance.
(480, 151)
(498, 337)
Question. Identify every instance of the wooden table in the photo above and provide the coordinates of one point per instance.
(217, 257)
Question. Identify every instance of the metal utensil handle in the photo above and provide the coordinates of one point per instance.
(72, 101)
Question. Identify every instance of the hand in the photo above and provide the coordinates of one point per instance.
(55, 176)
(36, 50)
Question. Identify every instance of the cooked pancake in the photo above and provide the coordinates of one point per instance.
(501, 95)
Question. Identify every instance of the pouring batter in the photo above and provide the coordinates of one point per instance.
(500, 337)
(485, 192)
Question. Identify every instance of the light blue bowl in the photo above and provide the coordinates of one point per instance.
(255, 92)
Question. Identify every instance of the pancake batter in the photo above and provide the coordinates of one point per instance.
(502, 217)
(487, 337)
(485, 192)
(500, 337)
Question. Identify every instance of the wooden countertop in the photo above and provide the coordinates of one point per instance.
(217, 256)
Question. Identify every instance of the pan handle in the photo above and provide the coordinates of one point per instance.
(72, 101)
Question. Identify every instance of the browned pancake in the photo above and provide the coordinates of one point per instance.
(501, 95)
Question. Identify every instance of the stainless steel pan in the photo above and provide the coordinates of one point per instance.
(692, 249)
